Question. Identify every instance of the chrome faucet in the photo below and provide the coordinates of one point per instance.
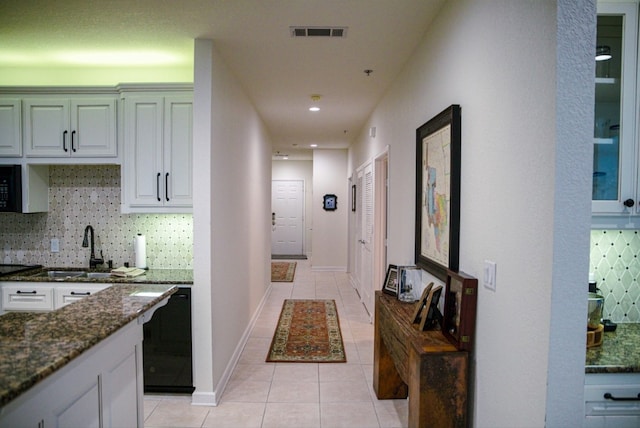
(93, 262)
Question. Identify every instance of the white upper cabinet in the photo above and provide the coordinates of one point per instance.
(10, 132)
(158, 158)
(70, 127)
(615, 162)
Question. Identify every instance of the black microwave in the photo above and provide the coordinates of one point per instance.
(10, 188)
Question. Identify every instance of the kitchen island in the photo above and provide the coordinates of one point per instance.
(78, 363)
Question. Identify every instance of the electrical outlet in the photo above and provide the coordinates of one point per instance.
(489, 279)
(55, 245)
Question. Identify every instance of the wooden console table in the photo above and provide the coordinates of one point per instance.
(421, 364)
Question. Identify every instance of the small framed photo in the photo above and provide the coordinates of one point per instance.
(432, 314)
(409, 282)
(419, 308)
(390, 285)
(330, 202)
(459, 320)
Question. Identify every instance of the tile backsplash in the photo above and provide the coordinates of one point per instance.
(90, 195)
(615, 261)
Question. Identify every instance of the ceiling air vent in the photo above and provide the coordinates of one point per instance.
(318, 31)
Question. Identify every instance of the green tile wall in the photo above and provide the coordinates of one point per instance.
(83, 195)
(615, 261)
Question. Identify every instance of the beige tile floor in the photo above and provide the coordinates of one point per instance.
(300, 395)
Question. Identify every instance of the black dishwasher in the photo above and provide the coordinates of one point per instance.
(167, 347)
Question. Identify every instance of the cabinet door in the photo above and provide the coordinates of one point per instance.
(615, 102)
(178, 152)
(81, 409)
(93, 127)
(119, 392)
(10, 133)
(46, 127)
(143, 158)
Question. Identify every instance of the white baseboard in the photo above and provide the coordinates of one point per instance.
(328, 268)
(204, 399)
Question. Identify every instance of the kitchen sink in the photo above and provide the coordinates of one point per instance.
(62, 274)
(98, 274)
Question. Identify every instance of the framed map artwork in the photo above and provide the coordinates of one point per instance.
(438, 193)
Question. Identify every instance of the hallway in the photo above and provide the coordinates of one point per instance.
(280, 395)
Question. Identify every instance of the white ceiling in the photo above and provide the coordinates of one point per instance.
(279, 72)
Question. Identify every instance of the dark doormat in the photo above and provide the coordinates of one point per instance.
(288, 257)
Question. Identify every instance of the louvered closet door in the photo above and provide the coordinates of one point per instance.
(367, 237)
(364, 236)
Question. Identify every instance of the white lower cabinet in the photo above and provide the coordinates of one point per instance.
(100, 388)
(39, 296)
(612, 400)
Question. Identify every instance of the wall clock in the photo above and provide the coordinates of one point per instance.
(329, 202)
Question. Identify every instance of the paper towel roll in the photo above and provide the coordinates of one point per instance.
(140, 248)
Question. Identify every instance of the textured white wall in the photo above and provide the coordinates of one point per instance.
(572, 211)
(330, 227)
(497, 59)
(232, 216)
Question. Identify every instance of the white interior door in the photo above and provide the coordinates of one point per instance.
(287, 212)
(363, 264)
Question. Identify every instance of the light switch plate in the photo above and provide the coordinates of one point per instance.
(489, 279)
(55, 245)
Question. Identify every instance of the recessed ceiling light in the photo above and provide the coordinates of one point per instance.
(314, 108)
(313, 145)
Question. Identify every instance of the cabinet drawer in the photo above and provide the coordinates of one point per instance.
(69, 294)
(27, 297)
(612, 400)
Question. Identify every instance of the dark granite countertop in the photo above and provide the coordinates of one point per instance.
(151, 276)
(619, 353)
(35, 345)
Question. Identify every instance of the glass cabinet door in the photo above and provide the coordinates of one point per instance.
(614, 124)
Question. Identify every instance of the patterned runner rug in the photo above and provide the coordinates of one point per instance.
(283, 271)
(308, 331)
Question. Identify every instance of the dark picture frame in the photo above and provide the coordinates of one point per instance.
(330, 202)
(419, 307)
(390, 285)
(353, 197)
(432, 314)
(460, 299)
(437, 228)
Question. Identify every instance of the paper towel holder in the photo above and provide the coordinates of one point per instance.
(139, 247)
